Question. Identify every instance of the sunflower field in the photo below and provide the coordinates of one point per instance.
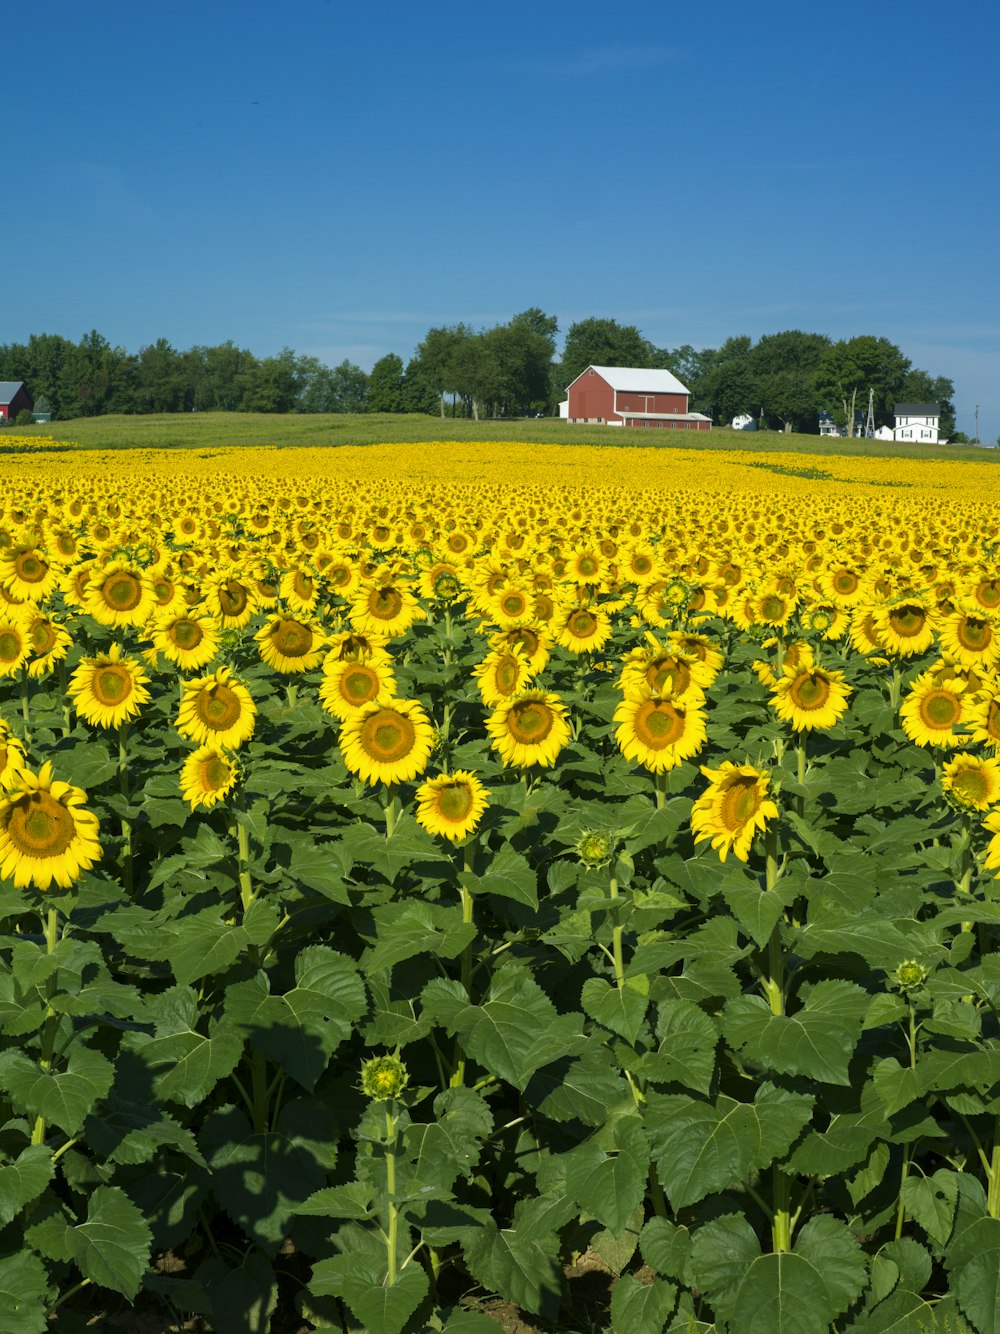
(424, 868)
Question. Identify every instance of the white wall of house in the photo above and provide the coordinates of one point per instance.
(921, 429)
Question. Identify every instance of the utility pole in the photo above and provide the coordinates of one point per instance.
(870, 419)
(977, 423)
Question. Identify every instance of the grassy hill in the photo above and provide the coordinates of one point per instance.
(198, 430)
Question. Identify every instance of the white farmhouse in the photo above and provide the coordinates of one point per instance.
(918, 422)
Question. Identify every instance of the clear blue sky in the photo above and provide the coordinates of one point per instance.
(337, 177)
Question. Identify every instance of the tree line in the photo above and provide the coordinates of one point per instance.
(783, 380)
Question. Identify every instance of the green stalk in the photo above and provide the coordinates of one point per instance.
(993, 1193)
(258, 1063)
(458, 1075)
(800, 757)
(616, 934)
(894, 685)
(774, 990)
(911, 1042)
(390, 1182)
(51, 1020)
(963, 883)
(25, 714)
(391, 812)
(67, 712)
(660, 787)
(123, 786)
(247, 894)
(292, 695)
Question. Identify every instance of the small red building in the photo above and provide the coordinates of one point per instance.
(630, 396)
(14, 398)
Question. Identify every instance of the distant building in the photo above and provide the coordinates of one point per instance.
(883, 433)
(14, 398)
(744, 422)
(630, 396)
(827, 426)
(42, 412)
(917, 421)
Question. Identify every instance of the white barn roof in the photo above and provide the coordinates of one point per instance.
(633, 379)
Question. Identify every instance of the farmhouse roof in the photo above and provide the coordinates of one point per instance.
(664, 416)
(8, 388)
(917, 409)
(633, 379)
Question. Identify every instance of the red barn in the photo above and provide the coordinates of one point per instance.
(14, 398)
(629, 396)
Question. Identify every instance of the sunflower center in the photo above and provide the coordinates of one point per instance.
(292, 639)
(186, 635)
(772, 608)
(845, 581)
(940, 709)
(582, 624)
(338, 575)
(810, 691)
(163, 591)
(739, 803)
(507, 674)
(233, 598)
(387, 736)
(907, 621)
(524, 638)
(218, 707)
(359, 684)
(66, 544)
(973, 634)
(40, 826)
(385, 604)
(971, 785)
(530, 721)
(659, 724)
(10, 646)
(111, 684)
(122, 591)
(216, 773)
(641, 565)
(30, 567)
(513, 604)
(43, 637)
(670, 672)
(454, 802)
(303, 585)
(988, 593)
(588, 565)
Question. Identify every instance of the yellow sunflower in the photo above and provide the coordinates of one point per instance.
(230, 600)
(992, 826)
(186, 639)
(502, 674)
(984, 719)
(451, 804)
(933, 710)
(208, 776)
(27, 573)
(348, 686)
(581, 629)
(347, 646)
(659, 731)
(50, 643)
(664, 671)
(13, 758)
(972, 782)
(108, 690)
(217, 709)
(529, 728)
(906, 628)
(532, 638)
(15, 641)
(971, 638)
(289, 644)
(810, 697)
(119, 594)
(46, 834)
(387, 609)
(733, 808)
(388, 741)
(299, 589)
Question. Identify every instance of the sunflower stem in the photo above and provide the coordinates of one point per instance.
(800, 768)
(963, 881)
(51, 1021)
(25, 714)
(391, 812)
(993, 1193)
(660, 788)
(247, 895)
(616, 934)
(894, 685)
(390, 1186)
(292, 695)
(123, 786)
(67, 712)
(465, 894)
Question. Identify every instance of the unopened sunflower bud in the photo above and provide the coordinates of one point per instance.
(383, 1077)
(594, 848)
(909, 975)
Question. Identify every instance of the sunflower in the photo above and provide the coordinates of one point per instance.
(230, 600)
(217, 709)
(46, 834)
(529, 728)
(970, 637)
(300, 590)
(208, 776)
(733, 808)
(992, 826)
(984, 719)
(13, 758)
(27, 573)
(50, 643)
(502, 673)
(348, 686)
(582, 629)
(659, 731)
(451, 804)
(119, 594)
(389, 741)
(346, 646)
(933, 709)
(700, 647)
(108, 690)
(973, 783)
(906, 628)
(664, 671)
(387, 609)
(532, 638)
(290, 645)
(810, 697)
(513, 603)
(15, 641)
(188, 640)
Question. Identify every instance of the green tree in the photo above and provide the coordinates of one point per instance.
(350, 388)
(602, 342)
(919, 387)
(785, 366)
(160, 382)
(853, 366)
(385, 385)
(419, 395)
(441, 359)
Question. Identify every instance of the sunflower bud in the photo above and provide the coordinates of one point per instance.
(594, 848)
(909, 975)
(383, 1077)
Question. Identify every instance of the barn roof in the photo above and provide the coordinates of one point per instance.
(8, 388)
(917, 409)
(633, 379)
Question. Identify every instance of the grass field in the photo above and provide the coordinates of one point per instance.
(197, 430)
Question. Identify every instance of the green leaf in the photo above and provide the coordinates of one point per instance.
(24, 1180)
(610, 1184)
(666, 1247)
(722, 1252)
(622, 1009)
(260, 1178)
(509, 874)
(520, 1268)
(323, 867)
(112, 1247)
(845, 1141)
(896, 1085)
(405, 930)
(242, 1300)
(450, 1144)
(641, 1308)
(23, 1294)
(169, 1194)
(931, 1202)
(381, 1306)
(755, 911)
(186, 1064)
(834, 1251)
(686, 1054)
(350, 1201)
(198, 946)
(515, 1032)
(782, 1294)
(301, 1029)
(64, 1097)
(817, 1041)
(587, 1091)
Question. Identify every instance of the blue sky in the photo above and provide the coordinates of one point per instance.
(337, 177)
